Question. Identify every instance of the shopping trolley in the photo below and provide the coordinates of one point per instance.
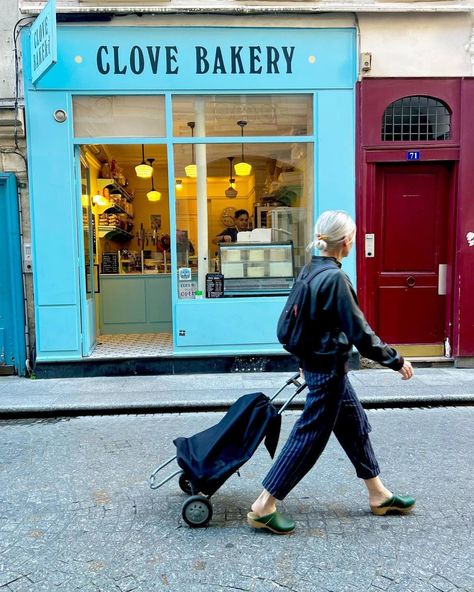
(210, 457)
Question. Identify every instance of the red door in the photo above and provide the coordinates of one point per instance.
(410, 257)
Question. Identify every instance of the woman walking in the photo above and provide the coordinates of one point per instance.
(331, 404)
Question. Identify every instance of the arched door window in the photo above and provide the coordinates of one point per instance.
(416, 119)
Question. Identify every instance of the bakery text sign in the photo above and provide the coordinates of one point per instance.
(43, 41)
(157, 59)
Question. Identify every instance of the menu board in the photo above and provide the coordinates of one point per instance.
(110, 263)
(214, 285)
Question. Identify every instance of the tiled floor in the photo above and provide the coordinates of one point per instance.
(144, 345)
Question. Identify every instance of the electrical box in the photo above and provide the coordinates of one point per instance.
(27, 258)
(370, 245)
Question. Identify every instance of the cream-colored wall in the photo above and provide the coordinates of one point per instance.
(417, 44)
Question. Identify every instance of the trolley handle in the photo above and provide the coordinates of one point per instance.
(299, 390)
(295, 381)
(152, 480)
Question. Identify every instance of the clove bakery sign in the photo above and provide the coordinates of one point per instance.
(234, 59)
(127, 59)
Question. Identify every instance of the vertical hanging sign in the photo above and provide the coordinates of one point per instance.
(44, 51)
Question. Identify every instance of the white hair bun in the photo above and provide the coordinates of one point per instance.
(321, 244)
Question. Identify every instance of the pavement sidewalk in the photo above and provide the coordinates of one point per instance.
(184, 393)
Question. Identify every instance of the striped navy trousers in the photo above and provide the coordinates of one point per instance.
(331, 406)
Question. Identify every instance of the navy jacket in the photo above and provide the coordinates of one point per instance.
(337, 323)
(210, 457)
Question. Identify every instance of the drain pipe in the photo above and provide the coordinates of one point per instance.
(358, 45)
(28, 362)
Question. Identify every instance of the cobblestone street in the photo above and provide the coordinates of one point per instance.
(77, 513)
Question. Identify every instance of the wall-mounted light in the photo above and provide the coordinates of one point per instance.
(178, 184)
(99, 199)
(231, 191)
(153, 194)
(191, 168)
(242, 168)
(143, 170)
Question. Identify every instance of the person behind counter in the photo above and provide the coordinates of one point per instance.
(229, 235)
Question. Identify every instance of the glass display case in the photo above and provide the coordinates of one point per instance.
(292, 224)
(256, 269)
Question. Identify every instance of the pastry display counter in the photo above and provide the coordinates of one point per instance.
(252, 269)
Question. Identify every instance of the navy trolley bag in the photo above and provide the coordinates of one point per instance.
(209, 458)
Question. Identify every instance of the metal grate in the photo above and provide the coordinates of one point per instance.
(416, 119)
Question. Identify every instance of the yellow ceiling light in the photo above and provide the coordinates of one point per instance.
(242, 168)
(143, 170)
(191, 169)
(153, 194)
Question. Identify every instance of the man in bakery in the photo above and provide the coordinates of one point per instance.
(229, 235)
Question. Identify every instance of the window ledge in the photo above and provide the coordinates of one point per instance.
(242, 7)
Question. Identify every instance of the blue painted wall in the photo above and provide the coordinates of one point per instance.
(54, 226)
(12, 318)
(115, 60)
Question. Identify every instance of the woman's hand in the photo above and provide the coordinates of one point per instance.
(406, 370)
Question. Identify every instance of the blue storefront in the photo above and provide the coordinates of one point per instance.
(279, 100)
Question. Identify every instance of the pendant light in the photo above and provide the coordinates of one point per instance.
(242, 168)
(153, 195)
(143, 170)
(231, 191)
(191, 169)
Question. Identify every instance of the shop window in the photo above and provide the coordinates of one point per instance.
(119, 116)
(416, 119)
(257, 226)
(265, 115)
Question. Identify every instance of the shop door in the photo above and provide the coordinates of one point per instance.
(411, 226)
(12, 319)
(89, 279)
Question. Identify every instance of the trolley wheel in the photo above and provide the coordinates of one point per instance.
(197, 511)
(185, 484)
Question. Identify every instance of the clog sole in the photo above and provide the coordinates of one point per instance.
(254, 524)
(382, 511)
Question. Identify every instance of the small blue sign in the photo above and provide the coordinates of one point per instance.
(413, 155)
(44, 41)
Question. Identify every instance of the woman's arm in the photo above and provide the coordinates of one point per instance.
(354, 324)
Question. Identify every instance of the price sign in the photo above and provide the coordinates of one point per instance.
(187, 289)
(110, 263)
(214, 285)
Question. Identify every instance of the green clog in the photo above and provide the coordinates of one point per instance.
(397, 503)
(276, 522)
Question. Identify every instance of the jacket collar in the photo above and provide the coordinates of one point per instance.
(318, 260)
